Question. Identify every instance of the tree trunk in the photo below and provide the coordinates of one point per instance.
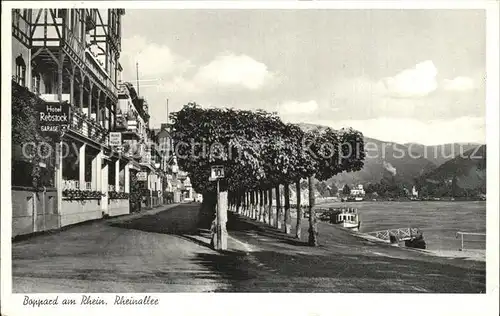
(238, 202)
(266, 210)
(288, 218)
(278, 207)
(298, 228)
(247, 213)
(255, 204)
(261, 205)
(313, 224)
(252, 204)
(235, 202)
(270, 193)
(245, 210)
(230, 201)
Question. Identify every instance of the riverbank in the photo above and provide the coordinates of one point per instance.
(469, 254)
(476, 255)
(344, 262)
(439, 221)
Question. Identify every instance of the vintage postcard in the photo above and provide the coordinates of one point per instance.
(166, 157)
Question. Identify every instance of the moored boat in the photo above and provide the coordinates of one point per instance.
(354, 199)
(346, 217)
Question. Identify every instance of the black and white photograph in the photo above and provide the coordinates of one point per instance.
(160, 149)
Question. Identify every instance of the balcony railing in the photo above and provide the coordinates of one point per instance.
(81, 124)
(54, 97)
(96, 66)
(71, 185)
(75, 185)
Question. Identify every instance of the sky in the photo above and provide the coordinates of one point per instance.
(395, 75)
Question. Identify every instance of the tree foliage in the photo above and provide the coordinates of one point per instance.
(346, 190)
(257, 149)
(26, 169)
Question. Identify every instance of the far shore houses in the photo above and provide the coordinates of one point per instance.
(358, 190)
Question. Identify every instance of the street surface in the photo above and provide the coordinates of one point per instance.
(167, 250)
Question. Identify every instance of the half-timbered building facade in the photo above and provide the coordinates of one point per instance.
(72, 55)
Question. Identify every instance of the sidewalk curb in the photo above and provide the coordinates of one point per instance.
(132, 216)
(113, 219)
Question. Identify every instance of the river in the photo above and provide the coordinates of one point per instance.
(438, 220)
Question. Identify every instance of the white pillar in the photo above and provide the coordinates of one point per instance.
(97, 172)
(221, 234)
(81, 166)
(117, 175)
(127, 178)
(104, 187)
(104, 177)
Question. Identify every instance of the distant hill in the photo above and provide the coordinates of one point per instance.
(383, 158)
(439, 154)
(464, 172)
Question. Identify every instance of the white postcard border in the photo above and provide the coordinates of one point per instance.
(274, 304)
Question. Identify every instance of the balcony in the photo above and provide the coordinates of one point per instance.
(54, 97)
(75, 185)
(86, 127)
(128, 125)
(97, 67)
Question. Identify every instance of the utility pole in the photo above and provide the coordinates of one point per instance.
(137, 76)
(168, 118)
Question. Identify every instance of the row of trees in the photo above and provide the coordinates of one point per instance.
(387, 187)
(259, 153)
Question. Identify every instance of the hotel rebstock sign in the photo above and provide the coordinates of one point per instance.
(53, 116)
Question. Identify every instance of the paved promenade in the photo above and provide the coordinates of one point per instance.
(167, 250)
(147, 252)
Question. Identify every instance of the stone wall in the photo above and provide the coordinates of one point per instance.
(33, 211)
(118, 207)
(77, 211)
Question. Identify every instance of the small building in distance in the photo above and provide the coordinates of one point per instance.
(358, 190)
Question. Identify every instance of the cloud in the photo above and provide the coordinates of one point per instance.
(363, 97)
(179, 84)
(230, 70)
(459, 84)
(431, 132)
(227, 71)
(294, 107)
(418, 81)
(154, 60)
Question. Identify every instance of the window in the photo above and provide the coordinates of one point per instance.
(20, 71)
(35, 82)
